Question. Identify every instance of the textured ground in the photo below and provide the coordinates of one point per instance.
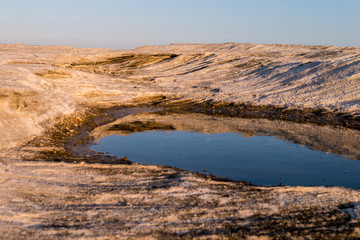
(47, 101)
(59, 200)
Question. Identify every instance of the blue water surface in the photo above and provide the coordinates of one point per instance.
(263, 160)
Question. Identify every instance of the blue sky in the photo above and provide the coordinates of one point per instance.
(124, 24)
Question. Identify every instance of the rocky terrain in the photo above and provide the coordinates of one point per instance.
(52, 97)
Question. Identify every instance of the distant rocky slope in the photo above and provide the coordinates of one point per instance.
(39, 83)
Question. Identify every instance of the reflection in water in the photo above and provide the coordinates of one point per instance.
(242, 149)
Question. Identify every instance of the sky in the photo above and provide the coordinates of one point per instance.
(126, 24)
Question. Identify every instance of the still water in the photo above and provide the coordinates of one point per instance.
(261, 158)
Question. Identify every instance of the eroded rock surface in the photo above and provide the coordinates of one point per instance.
(49, 192)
